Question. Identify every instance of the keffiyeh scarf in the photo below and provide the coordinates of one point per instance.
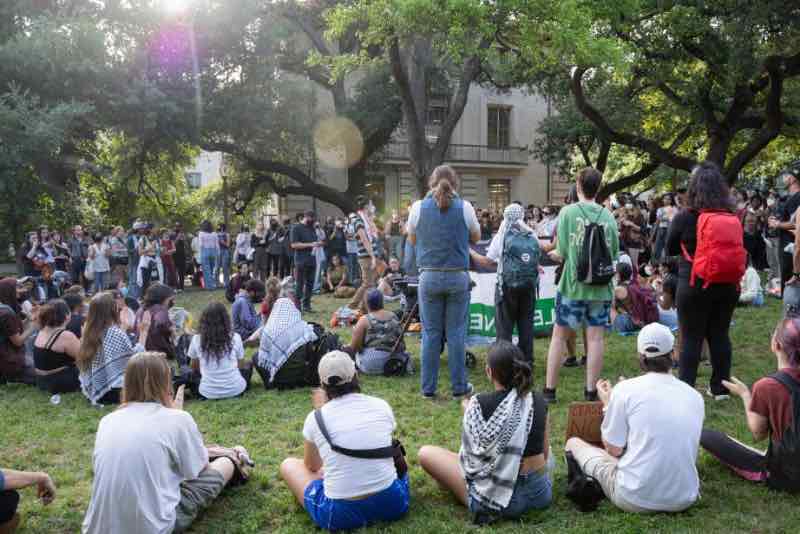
(491, 450)
(108, 365)
(284, 333)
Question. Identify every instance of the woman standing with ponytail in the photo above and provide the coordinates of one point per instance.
(441, 227)
(504, 466)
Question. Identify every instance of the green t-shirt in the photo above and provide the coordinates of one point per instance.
(571, 225)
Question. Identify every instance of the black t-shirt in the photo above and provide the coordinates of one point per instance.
(785, 213)
(683, 230)
(535, 445)
(303, 233)
(75, 324)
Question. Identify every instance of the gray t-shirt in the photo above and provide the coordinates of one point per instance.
(142, 453)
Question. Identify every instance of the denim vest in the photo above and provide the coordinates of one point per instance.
(442, 237)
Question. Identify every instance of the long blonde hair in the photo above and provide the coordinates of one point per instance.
(103, 313)
(443, 184)
(148, 379)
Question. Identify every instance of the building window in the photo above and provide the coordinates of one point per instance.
(499, 127)
(499, 195)
(194, 180)
(437, 111)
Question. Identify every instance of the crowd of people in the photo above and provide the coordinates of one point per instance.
(678, 264)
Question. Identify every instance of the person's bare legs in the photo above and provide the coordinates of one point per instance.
(582, 451)
(572, 345)
(594, 355)
(10, 526)
(442, 465)
(555, 353)
(224, 466)
(297, 476)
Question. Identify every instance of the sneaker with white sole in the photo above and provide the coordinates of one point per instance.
(717, 396)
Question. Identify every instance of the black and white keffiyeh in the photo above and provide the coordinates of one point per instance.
(284, 333)
(491, 450)
(108, 365)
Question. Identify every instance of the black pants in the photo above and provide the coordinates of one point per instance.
(787, 267)
(9, 500)
(196, 377)
(65, 381)
(180, 270)
(286, 266)
(304, 283)
(274, 265)
(745, 462)
(516, 307)
(114, 396)
(705, 314)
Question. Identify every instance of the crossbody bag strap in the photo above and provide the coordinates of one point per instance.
(794, 390)
(366, 454)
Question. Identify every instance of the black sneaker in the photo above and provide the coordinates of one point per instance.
(590, 396)
(549, 395)
(466, 394)
(583, 361)
(307, 309)
(571, 361)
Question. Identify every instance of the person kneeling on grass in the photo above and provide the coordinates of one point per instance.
(353, 492)
(10, 482)
(504, 466)
(217, 353)
(651, 434)
(772, 411)
(152, 473)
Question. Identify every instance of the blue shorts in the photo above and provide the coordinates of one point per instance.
(576, 313)
(338, 514)
(533, 491)
(623, 324)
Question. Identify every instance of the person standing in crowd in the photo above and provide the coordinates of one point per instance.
(441, 227)
(287, 255)
(148, 265)
(168, 259)
(304, 239)
(15, 329)
(134, 258)
(337, 242)
(259, 243)
(181, 255)
(785, 223)
(769, 412)
(320, 257)
(515, 304)
(753, 222)
(651, 434)
(242, 252)
(224, 263)
(61, 251)
(99, 253)
(209, 253)
(631, 223)
(395, 234)
(704, 313)
(78, 252)
(340, 492)
(772, 239)
(12, 480)
(351, 245)
(150, 455)
(664, 216)
(546, 229)
(504, 466)
(366, 235)
(579, 304)
(119, 256)
(277, 238)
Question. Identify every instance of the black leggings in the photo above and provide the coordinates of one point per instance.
(705, 314)
(9, 500)
(745, 462)
(65, 381)
(274, 265)
(516, 308)
(196, 377)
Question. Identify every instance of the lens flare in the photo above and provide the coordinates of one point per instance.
(175, 7)
(338, 142)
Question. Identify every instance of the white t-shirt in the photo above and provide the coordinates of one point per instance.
(100, 261)
(221, 378)
(208, 240)
(354, 421)
(470, 219)
(659, 419)
(142, 453)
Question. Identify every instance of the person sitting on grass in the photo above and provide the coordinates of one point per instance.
(245, 318)
(667, 311)
(15, 329)
(336, 280)
(55, 350)
(106, 349)
(158, 300)
(651, 434)
(152, 472)
(342, 492)
(217, 354)
(771, 411)
(751, 292)
(237, 281)
(10, 482)
(375, 336)
(76, 313)
(504, 466)
(393, 272)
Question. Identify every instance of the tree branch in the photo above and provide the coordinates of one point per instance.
(628, 181)
(602, 157)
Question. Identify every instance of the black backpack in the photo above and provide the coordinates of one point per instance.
(595, 266)
(783, 457)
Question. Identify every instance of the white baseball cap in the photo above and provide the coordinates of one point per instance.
(655, 340)
(336, 364)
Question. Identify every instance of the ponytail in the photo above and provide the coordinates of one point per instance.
(509, 367)
(443, 184)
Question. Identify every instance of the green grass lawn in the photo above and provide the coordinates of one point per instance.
(59, 439)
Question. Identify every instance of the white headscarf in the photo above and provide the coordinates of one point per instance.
(513, 216)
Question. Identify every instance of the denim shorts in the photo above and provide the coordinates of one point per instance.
(623, 324)
(576, 313)
(533, 491)
(338, 514)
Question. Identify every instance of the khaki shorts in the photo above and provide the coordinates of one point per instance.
(601, 466)
(196, 496)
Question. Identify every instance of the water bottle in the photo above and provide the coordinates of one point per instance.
(55, 400)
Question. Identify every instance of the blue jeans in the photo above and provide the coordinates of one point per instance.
(208, 259)
(134, 290)
(533, 491)
(353, 270)
(337, 514)
(224, 265)
(100, 280)
(443, 308)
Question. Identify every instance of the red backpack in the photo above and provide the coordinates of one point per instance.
(720, 256)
